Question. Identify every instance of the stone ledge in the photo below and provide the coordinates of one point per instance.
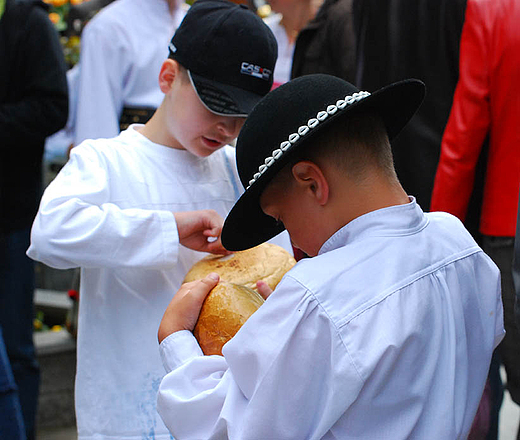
(56, 299)
(51, 342)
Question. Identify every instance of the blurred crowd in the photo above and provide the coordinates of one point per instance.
(90, 69)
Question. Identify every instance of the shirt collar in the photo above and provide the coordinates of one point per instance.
(395, 220)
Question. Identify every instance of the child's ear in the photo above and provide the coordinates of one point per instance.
(169, 72)
(310, 177)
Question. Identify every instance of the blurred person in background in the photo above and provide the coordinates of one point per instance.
(327, 43)
(516, 269)
(57, 146)
(33, 105)
(11, 419)
(486, 105)
(122, 49)
(289, 17)
(408, 39)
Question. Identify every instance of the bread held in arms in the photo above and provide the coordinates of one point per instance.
(235, 299)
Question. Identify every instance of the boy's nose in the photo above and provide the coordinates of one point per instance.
(230, 125)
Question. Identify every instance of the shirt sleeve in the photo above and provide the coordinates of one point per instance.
(261, 387)
(77, 226)
(468, 123)
(104, 63)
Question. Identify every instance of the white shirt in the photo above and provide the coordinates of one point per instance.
(386, 334)
(110, 212)
(282, 69)
(122, 50)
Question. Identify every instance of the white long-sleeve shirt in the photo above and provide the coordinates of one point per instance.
(386, 334)
(282, 69)
(110, 212)
(122, 50)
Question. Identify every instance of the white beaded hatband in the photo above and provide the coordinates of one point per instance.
(304, 129)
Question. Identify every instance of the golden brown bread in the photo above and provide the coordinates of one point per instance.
(224, 311)
(268, 262)
(234, 299)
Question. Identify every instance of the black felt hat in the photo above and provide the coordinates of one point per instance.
(288, 118)
(230, 54)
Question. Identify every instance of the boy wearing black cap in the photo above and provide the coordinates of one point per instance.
(386, 332)
(121, 208)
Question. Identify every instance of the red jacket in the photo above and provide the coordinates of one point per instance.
(486, 101)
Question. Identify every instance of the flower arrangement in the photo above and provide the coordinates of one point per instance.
(69, 37)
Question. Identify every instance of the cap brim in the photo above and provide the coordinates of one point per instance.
(223, 99)
(246, 224)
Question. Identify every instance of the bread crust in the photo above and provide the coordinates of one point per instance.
(225, 310)
(267, 262)
(228, 306)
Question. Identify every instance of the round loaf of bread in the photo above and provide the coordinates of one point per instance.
(267, 262)
(235, 298)
(224, 311)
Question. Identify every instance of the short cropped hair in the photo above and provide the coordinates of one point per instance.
(352, 144)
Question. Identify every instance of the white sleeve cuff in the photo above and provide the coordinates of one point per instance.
(178, 348)
(170, 236)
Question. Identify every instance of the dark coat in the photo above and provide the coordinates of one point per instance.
(326, 44)
(516, 269)
(401, 39)
(33, 105)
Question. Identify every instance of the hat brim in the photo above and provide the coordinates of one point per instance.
(247, 226)
(223, 99)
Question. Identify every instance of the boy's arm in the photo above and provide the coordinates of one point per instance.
(262, 387)
(77, 226)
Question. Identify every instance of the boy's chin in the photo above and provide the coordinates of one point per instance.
(202, 152)
(204, 149)
(307, 252)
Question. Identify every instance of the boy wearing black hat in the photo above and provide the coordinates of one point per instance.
(386, 332)
(121, 208)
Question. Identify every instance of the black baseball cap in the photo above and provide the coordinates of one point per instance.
(229, 53)
(288, 119)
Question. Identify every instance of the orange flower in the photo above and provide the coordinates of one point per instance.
(54, 17)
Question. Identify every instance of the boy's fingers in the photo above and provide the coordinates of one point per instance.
(184, 308)
(202, 286)
(263, 289)
(213, 278)
(205, 285)
(215, 247)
